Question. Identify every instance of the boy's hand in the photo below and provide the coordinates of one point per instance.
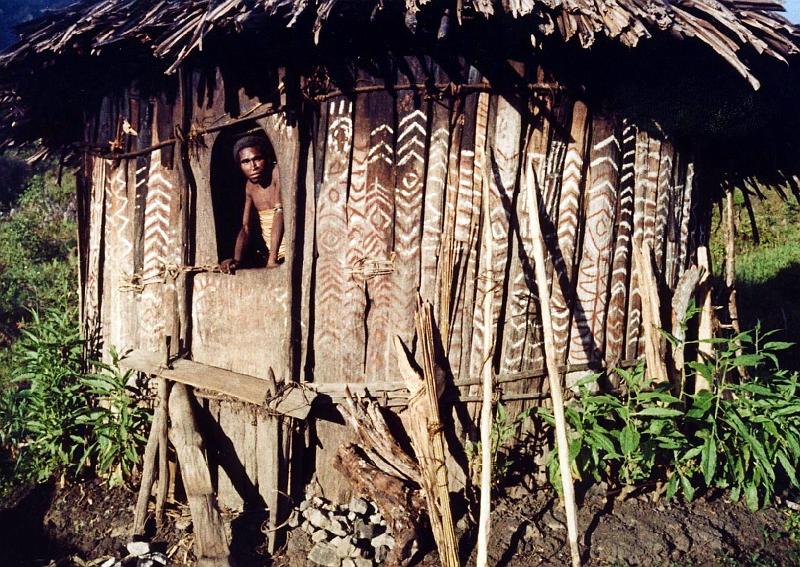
(228, 266)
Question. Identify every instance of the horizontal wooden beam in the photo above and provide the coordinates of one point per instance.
(290, 400)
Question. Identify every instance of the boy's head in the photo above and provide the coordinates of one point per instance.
(252, 155)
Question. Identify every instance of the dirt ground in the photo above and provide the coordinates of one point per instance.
(48, 525)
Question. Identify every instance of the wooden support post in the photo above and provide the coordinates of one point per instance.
(553, 375)
(705, 330)
(211, 542)
(148, 472)
(651, 316)
(163, 460)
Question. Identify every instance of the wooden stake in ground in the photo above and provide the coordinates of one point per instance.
(651, 316)
(211, 541)
(553, 375)
(484, 519)
(151, 454)
(705, 326)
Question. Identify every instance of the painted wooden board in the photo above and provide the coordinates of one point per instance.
(569, 212)
(435, 184)
(673, 232)
(161, 192)
(118, 260)
(332, 281)
(381, 181)
(410, 149)
(93, 286)
(521, 306)
(355, 306)
(474, 278)
(617, 303)
(594, 269)
(634, 323)
(663, 202)
(685, 253)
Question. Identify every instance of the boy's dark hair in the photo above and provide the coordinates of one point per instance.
(252, 141)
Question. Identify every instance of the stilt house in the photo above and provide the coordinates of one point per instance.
(404, 134)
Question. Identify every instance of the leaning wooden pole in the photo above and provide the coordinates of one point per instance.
(552, 366)
(484, 519)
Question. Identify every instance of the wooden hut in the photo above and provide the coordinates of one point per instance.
(404, 133)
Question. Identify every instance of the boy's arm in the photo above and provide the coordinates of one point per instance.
(229, 266)
(277, 222)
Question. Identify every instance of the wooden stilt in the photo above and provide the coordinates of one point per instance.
(553, 375)
(163, 460)
(211, 542)
(148, 472)
(651, 317)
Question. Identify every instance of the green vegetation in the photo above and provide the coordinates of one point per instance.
(56, 417)
(767, 265)
(504, 432)
(743, 436)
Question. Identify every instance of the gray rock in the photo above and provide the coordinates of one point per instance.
(319, 535)
(294, 519)
(307, 527)
(364, 530)
(317, 501)
(304, 505)
(462, 524)
(110, 562)
(318, 519)
(351, 516)
(325, 555)
(337, 527)
(359, 506)
(138, 548)
(343, 547)
(532, 532)
(381, 553)
(376, 518)
(361, 562)
(348, 563)
(383, 540)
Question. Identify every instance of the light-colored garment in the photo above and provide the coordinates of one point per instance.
(267, 218)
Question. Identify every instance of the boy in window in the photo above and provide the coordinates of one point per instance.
(262, 193)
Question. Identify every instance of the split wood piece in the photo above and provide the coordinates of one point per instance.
(730, 272)
(377, 441)
(552, 367)
(290, 400)
(401, 505)
(148, 473)
(651, 317)
(211, 541)
(423, 424)
(163, 460)
(705, 328)
(684, 291)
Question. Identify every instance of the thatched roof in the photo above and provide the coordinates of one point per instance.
(173, 29)
(52, 76)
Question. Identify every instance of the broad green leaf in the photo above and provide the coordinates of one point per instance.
(628, 440)
(659, 412)
(708, 460)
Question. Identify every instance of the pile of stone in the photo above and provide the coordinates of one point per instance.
(350, 535)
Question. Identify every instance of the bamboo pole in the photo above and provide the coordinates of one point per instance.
(484, 519)
(553, 374)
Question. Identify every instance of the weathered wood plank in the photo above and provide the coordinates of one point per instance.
(568, 221)
(617, 303)
(634, 327)
(211, 542)
(294, 402)
(93, 287)
(592, 280)
(381, 176)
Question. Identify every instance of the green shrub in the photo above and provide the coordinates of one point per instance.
(743, 436)
(58, 420)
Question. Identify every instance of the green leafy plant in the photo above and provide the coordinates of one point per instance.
(116, 422)
(742, 436)
(58, 420)
(504, 431)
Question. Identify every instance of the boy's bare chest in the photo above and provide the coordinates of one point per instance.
(264, 197)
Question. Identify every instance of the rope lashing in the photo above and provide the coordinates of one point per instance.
(136, 282)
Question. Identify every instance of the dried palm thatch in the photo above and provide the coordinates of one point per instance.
(173, 29)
